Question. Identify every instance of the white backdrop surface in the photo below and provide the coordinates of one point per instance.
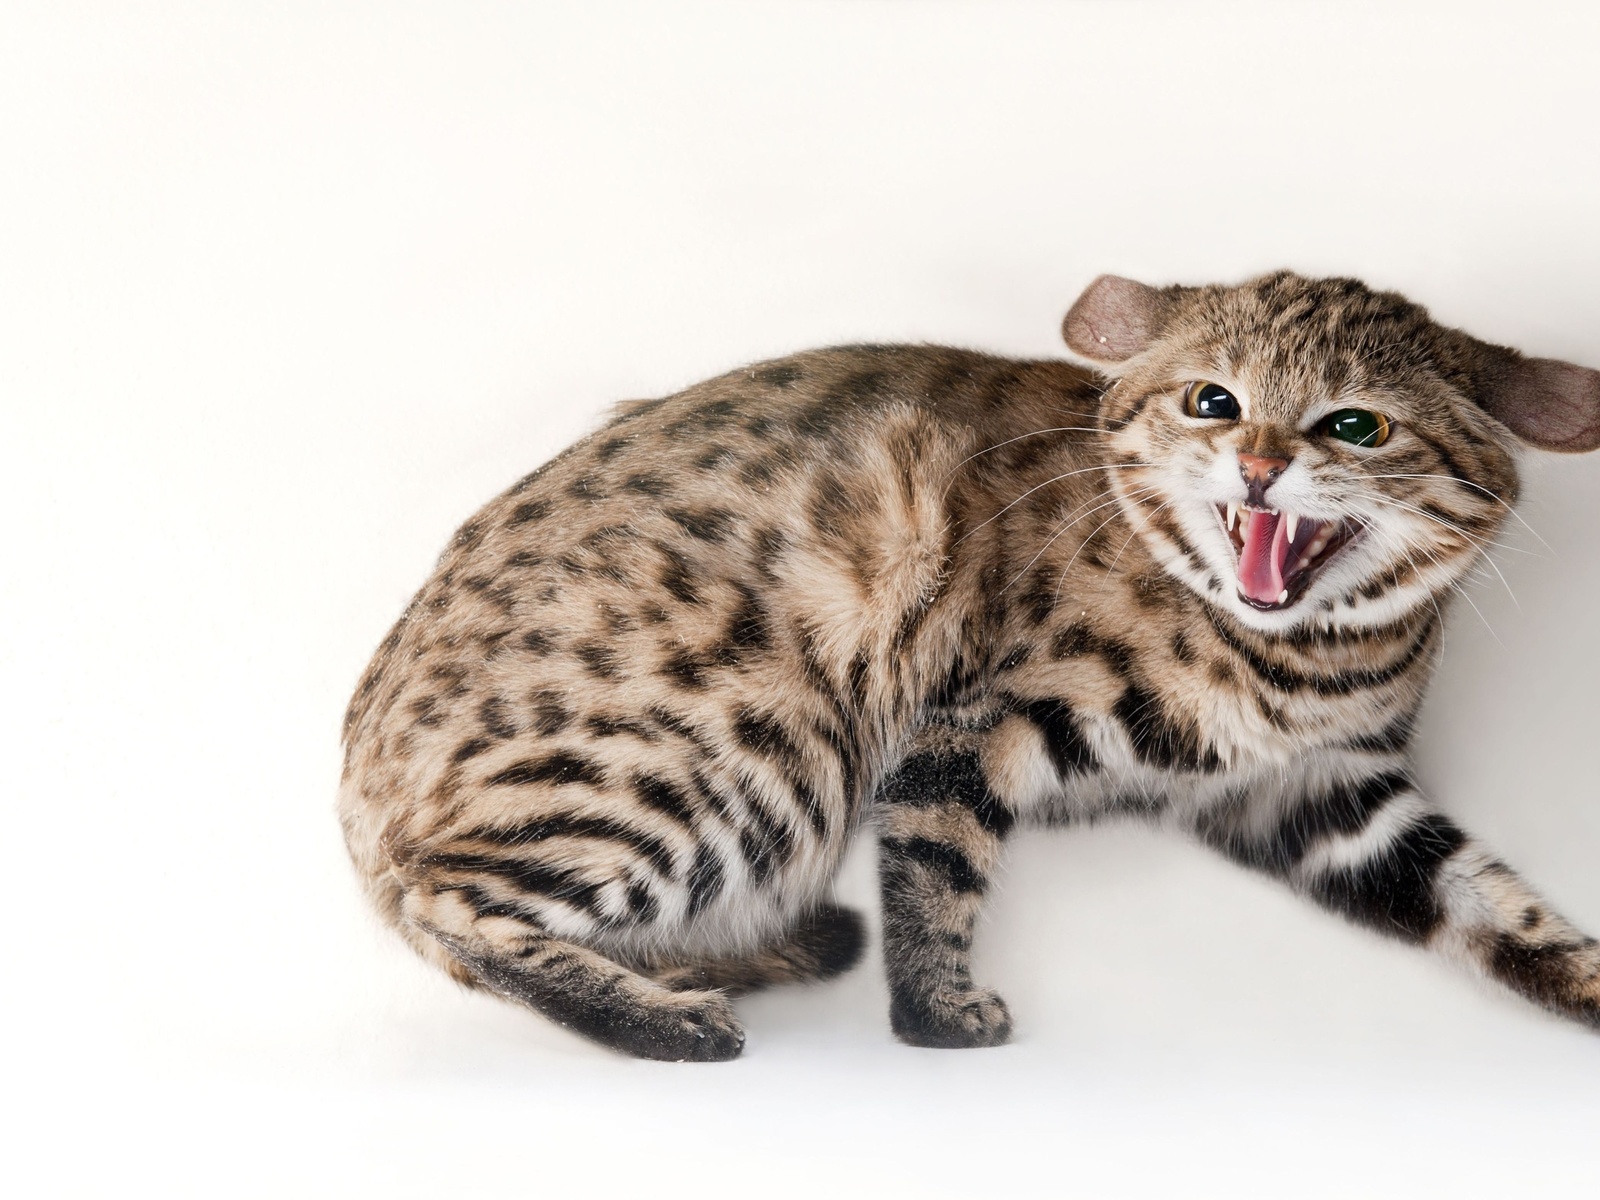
(288, 290)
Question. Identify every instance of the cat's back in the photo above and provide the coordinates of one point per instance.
(717, 576)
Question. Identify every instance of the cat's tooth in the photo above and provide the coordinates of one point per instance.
(1233, 514)
(1283, 595)
(1293, 523)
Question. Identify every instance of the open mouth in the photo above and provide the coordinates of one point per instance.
(1279, 553)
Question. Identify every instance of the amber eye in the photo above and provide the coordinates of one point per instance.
(1209, 400)
(1358, 427)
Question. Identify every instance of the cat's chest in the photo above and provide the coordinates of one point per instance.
(1111, 716)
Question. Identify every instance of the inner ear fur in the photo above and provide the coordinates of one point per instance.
(1547, 403)
(1116, 319)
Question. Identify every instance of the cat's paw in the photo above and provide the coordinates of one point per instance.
(951, 1019)
(709, 1032)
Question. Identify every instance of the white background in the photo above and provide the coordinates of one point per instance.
(287, 290)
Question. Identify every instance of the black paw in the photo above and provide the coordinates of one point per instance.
(951, 1019)
(702, 1029)
(833, 938)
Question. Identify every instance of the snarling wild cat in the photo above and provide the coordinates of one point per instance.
(608, 761)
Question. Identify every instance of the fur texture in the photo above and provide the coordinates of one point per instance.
(608, 761)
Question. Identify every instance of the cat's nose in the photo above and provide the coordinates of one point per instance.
(1261, 472)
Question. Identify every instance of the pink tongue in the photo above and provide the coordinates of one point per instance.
(1262, 559)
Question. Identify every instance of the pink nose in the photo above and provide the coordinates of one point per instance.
(1261, 471)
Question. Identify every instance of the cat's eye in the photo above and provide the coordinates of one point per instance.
(1209, 400)
(1358, 427)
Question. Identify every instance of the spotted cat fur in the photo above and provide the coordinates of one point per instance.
(609, 759)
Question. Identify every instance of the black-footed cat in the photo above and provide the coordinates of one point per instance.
(607, 762)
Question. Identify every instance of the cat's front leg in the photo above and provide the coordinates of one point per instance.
(1375, 851)
(940, 835)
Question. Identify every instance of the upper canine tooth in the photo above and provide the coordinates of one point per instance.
(1233, 514)
(1294, 523)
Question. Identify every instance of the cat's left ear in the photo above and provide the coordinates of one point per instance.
(1116, 318)
(1547, 403)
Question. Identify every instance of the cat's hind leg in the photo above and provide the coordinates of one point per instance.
(940, 834)
(505, 950)
(824, 943)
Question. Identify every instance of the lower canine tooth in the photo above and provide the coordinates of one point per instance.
(1283, 595)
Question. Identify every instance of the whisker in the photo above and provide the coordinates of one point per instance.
(1022, 436)
(1481, 543)
(1056, 536)
(1037, 486)
(1478, 487)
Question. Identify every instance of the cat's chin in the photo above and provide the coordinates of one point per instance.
(1277, 556)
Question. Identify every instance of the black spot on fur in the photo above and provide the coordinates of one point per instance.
(647, 485)
(560, 767)
(605, 727)
(705, 879)
(602, 829)
(1181, 650)
(931, 779)
(715, 458)
(470, 749)
(641, 903)
(426, 712)
(1063, 737)
(709, 525)
(678, 575)
(686, 669)
(1071, 642)
(1158, 740)
(598, 659)
(765, 735)
(1394, 891)
(1342, 812)
(557, 883)
(1016, 658)
(748, 628)
(550, 715)
(528, 510)
(769, 546)
(664, 797)
(496, 718)
(758, 472)
(538, 641)
(947, 861)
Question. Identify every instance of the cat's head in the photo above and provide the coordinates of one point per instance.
(1311, 451)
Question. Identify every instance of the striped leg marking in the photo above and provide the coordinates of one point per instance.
(1376, 852)
(941, 833)
(576, 987)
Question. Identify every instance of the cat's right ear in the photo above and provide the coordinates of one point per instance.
(1115, 319)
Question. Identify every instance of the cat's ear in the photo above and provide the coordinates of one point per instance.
(1115, 319)
(1547, 403)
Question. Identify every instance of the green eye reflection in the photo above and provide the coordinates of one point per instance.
(1358, 427)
